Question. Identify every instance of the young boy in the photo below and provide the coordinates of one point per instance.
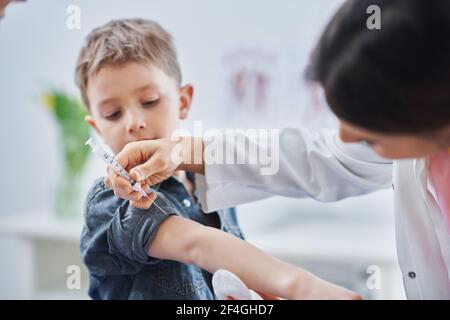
(130, 81)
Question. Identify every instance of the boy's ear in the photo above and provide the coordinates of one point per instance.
(91, 122)
(186, 94)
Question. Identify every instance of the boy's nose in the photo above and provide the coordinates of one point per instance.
(135, 123)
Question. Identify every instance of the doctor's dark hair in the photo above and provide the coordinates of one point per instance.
(393, 80)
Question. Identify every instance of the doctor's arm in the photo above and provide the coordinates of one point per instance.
(297, 164)
(303, 164)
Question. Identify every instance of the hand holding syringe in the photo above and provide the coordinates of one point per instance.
(109, 160)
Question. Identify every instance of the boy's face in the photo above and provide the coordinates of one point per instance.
(135, 101)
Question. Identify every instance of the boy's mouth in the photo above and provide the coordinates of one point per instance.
(142, 139)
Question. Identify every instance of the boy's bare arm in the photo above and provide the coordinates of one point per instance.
(212, 249)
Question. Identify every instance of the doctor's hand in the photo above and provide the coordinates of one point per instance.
(319, 289)
(262, 295)
(152, 161)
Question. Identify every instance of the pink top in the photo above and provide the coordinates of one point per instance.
(439, 167)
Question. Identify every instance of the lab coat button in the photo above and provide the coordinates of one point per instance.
(186, 203)
(412, 275)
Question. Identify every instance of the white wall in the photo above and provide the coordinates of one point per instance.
(38, 52)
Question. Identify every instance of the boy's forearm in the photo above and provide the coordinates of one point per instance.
(189, 242)
(261, 272)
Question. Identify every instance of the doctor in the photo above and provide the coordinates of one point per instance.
(390, 89)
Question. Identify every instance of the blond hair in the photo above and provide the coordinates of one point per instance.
(125, 40)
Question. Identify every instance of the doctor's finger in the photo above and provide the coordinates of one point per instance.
(132, 196)
(107, 182)
(118, 183)
(151, 167)
(144, 202)
(268, 296)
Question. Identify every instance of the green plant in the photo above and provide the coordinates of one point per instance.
(69, 114)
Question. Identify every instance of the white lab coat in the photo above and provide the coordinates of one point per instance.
(322, 167)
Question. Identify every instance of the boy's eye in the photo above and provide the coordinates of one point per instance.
(112, 116)
(150, 103)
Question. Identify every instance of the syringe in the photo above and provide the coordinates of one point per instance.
(108, 158)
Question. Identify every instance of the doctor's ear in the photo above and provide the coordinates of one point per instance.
(444, 137)
(91, 122)
(186, 94)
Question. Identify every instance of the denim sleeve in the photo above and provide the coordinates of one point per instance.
(132, 230)
(116, 235)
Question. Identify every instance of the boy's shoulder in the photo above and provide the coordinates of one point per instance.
(100, 197)
(97, 186)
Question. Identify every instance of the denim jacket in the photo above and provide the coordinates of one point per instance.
(116, 236)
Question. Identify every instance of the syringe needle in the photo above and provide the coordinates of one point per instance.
(154, 202)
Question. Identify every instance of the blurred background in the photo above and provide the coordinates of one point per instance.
(246, 60)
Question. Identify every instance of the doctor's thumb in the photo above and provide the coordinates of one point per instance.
(141, 172)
